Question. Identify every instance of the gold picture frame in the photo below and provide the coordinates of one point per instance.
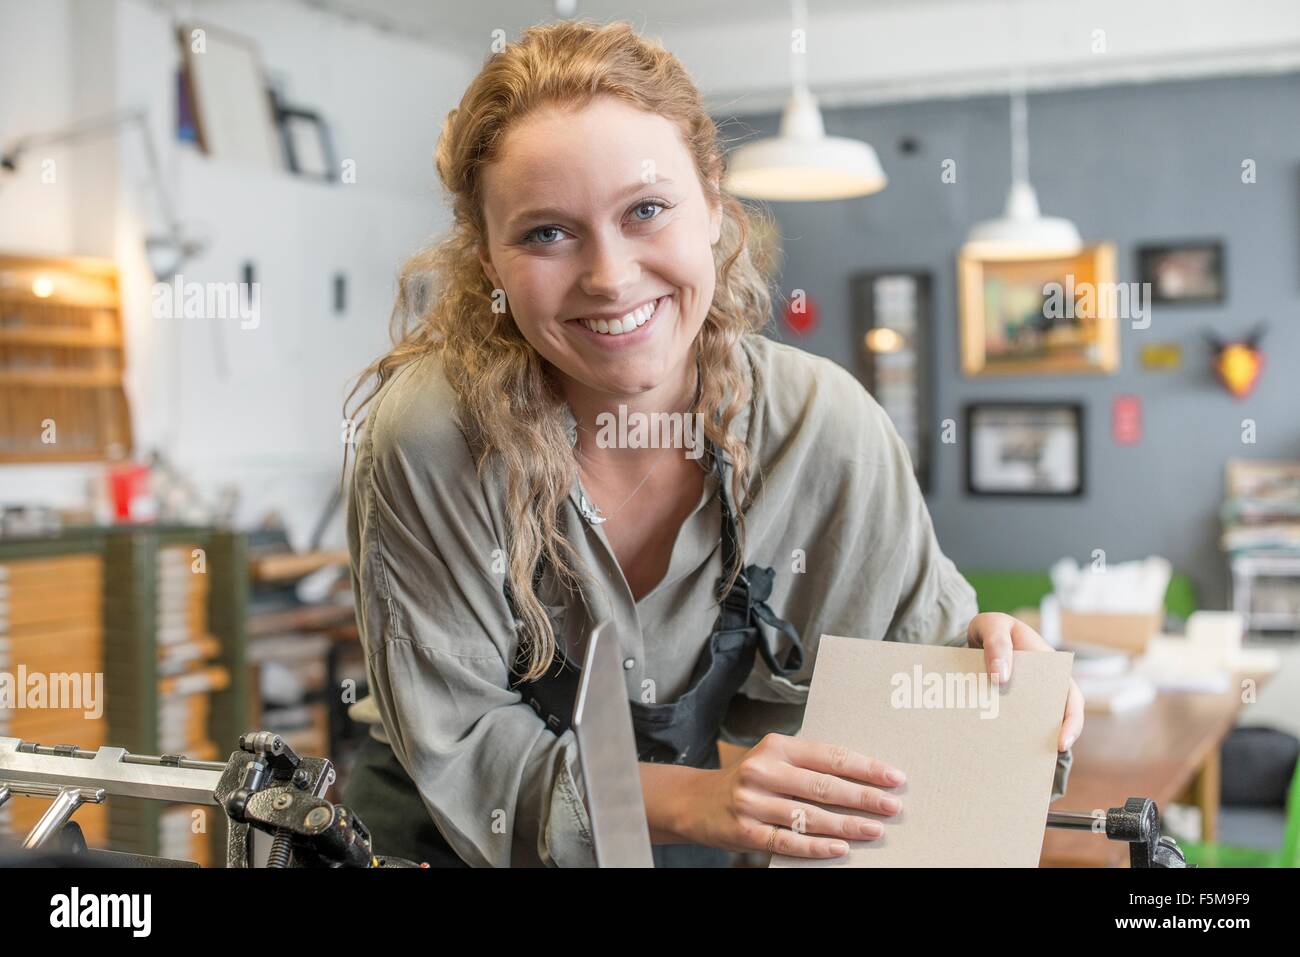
(1039, 316)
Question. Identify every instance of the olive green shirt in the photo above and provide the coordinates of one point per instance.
(836, 512)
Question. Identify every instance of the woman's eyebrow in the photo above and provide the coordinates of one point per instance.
(555, 212)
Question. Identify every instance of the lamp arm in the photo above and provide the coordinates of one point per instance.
(112, 123)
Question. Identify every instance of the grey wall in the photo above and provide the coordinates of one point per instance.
(1131, 165)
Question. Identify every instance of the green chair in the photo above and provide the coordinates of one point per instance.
(1007, 591)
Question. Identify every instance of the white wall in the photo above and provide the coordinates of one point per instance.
(260, 407)
(36, 88)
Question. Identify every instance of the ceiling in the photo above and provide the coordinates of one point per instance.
(461, 21)
(887, 50)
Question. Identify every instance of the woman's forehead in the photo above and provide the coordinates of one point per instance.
(586, 155)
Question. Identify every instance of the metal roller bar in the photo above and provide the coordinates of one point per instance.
(114, 770)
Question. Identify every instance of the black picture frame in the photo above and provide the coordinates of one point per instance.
(914, 425)
(294, 122)
(1149, 256)
(1031, 409)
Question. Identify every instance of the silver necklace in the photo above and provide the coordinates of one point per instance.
(591, 511)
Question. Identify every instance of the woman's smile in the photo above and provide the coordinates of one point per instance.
(631, 329)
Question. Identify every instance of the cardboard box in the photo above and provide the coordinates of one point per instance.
(1125, 632)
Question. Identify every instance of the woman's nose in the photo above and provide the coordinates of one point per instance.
(611, 268)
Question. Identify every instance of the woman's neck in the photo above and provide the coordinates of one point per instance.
(592, 410)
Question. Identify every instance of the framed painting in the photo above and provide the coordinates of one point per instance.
(1043, 316)
(1184, 272)
(1024, 449)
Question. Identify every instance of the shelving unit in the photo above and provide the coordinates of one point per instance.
(61, 361)
(159, 612)
(1266, 591)
(51, 622)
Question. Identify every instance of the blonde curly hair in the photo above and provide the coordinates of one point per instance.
(509, 405)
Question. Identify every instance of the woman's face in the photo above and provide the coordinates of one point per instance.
(599, 233)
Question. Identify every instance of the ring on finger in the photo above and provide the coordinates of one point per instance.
(771, 841)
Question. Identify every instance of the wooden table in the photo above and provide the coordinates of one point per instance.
(1163, 751)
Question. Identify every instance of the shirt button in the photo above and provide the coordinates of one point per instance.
(629, 664)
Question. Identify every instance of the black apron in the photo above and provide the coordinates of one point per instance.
(683, 732)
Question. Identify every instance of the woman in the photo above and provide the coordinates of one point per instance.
(595, 273)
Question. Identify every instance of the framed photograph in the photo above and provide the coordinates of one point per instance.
(891, 311)
(308, 146)
(1039, 316)
(1186, 272)
(1024, 449)
(230, 106)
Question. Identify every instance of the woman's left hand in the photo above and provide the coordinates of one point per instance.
(999, 635)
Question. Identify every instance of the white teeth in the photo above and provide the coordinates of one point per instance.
(617, 327)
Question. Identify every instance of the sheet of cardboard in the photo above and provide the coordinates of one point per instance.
(979, 757)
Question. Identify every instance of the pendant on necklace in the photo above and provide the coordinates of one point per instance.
(589, 510)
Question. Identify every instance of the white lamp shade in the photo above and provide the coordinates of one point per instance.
(803, 163)
(1023, 232)
(788, 169)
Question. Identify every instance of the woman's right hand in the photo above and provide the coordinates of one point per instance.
(775, 784)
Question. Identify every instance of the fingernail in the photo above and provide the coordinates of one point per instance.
(891, 804)
(871, 829)
(1000, 670)
(894, 776)
(839, 848)
(1068, 742)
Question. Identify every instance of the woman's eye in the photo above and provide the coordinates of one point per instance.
(550, 235)
(536, 235)
(644, 206)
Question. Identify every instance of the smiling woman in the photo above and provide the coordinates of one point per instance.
(594, 268)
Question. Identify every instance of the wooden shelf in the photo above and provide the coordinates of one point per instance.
(51, 312)
(78, 379)
(53, 336)
(292, 565)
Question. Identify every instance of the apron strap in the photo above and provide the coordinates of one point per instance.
(743, 606)
(747, 598)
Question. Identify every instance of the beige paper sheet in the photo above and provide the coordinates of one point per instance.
(979, 765)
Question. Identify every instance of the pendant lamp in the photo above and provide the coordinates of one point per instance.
(803, 163)
(1022, 231)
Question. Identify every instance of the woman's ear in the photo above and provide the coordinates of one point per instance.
(488, 268)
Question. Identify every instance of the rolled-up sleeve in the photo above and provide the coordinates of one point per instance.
(438, 633)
